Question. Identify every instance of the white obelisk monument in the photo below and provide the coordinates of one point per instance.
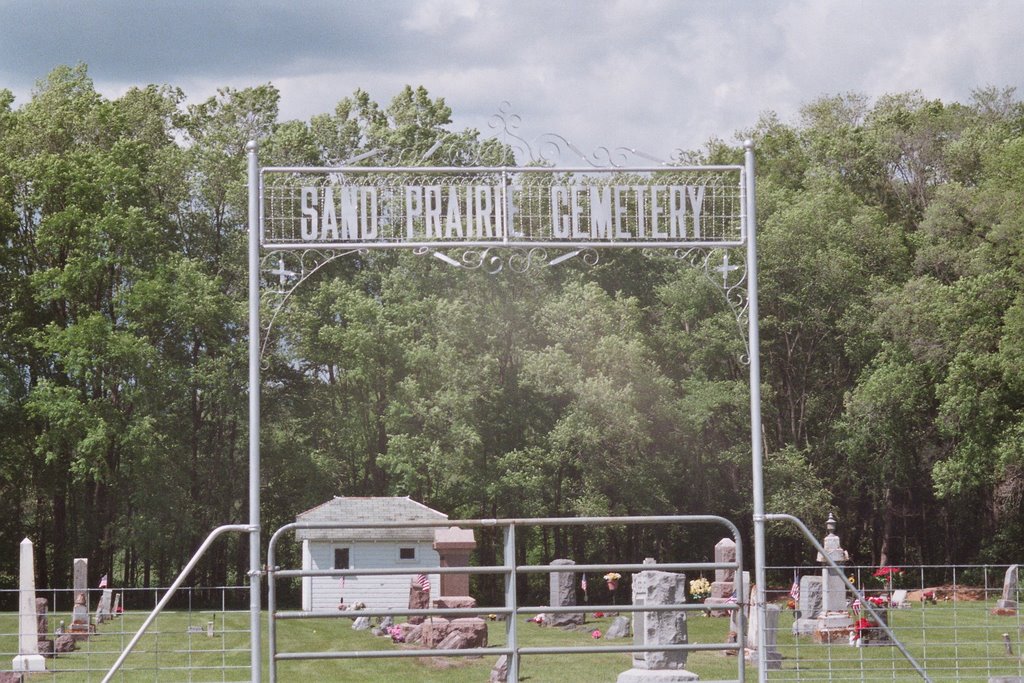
(28, 658)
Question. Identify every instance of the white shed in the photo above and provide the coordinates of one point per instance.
(362, 548)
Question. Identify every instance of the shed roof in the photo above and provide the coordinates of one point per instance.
(369, 509)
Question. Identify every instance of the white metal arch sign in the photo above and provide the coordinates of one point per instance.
(525, 207)
(529, 209)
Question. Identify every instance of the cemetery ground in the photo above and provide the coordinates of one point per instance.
(953, 640)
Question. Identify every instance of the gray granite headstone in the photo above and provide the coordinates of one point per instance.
(773, 658)
(103, 609)
(562, 593)
(834, 621)
(1008, 600)
(734, 615)
(619, 628)
(810, 605)
(658, 628)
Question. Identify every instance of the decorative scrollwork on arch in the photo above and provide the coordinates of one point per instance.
(552, 148)
(730, 278)
(290, 269)
(493, 260)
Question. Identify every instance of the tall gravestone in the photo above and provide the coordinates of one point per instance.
(773, 657)
(834, 621)
(562, 593)
(723, 587)
(28, 657)
(743, 599)
(1007, 603)
(80, 626)
(658, 628)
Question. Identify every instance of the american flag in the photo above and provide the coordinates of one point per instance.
(423, 582)
(583, 584)
(103, 581)
(794, 591)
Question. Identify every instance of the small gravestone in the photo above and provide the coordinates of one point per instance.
(743, 598)
(809, 606)
(64, 643)
(43, 627)
(1007, 603)
(562, 593)
(723, 587)
(361, 623)
(80, 627)
(418, 599)
(773, 658)
(499, 672)
(28, 657)
(103, 609)
(619, 628)
(658, 628)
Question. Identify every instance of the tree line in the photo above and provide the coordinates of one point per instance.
(892, 340)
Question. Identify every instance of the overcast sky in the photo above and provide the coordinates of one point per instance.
(656, 75)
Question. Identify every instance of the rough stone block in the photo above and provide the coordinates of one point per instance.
(455, 602)
(473, 628)
(434, 631)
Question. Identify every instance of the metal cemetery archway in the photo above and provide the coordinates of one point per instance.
(496, 217)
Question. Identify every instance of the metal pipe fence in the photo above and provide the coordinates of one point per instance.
(948, 617)
(511, 611)
(949, 621)
(202, 636)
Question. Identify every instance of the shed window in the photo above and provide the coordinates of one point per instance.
(407, 553)
(341, 558)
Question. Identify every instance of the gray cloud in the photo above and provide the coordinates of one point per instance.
(654, 74)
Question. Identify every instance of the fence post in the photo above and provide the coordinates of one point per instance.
(512, 602)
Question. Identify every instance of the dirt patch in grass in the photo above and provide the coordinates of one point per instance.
(949, 592)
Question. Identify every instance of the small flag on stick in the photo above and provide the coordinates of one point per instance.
(423, 582)
(103, 581)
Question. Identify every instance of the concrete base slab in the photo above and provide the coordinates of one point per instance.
(656, 676)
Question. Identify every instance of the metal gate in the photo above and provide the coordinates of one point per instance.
(511, 610)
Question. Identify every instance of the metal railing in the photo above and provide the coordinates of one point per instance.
(216, 533)
(946, 616)
(511, 610)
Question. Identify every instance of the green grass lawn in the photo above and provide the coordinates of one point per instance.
(171, 653)
(954, 641)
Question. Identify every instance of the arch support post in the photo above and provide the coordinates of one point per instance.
(254, 411)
